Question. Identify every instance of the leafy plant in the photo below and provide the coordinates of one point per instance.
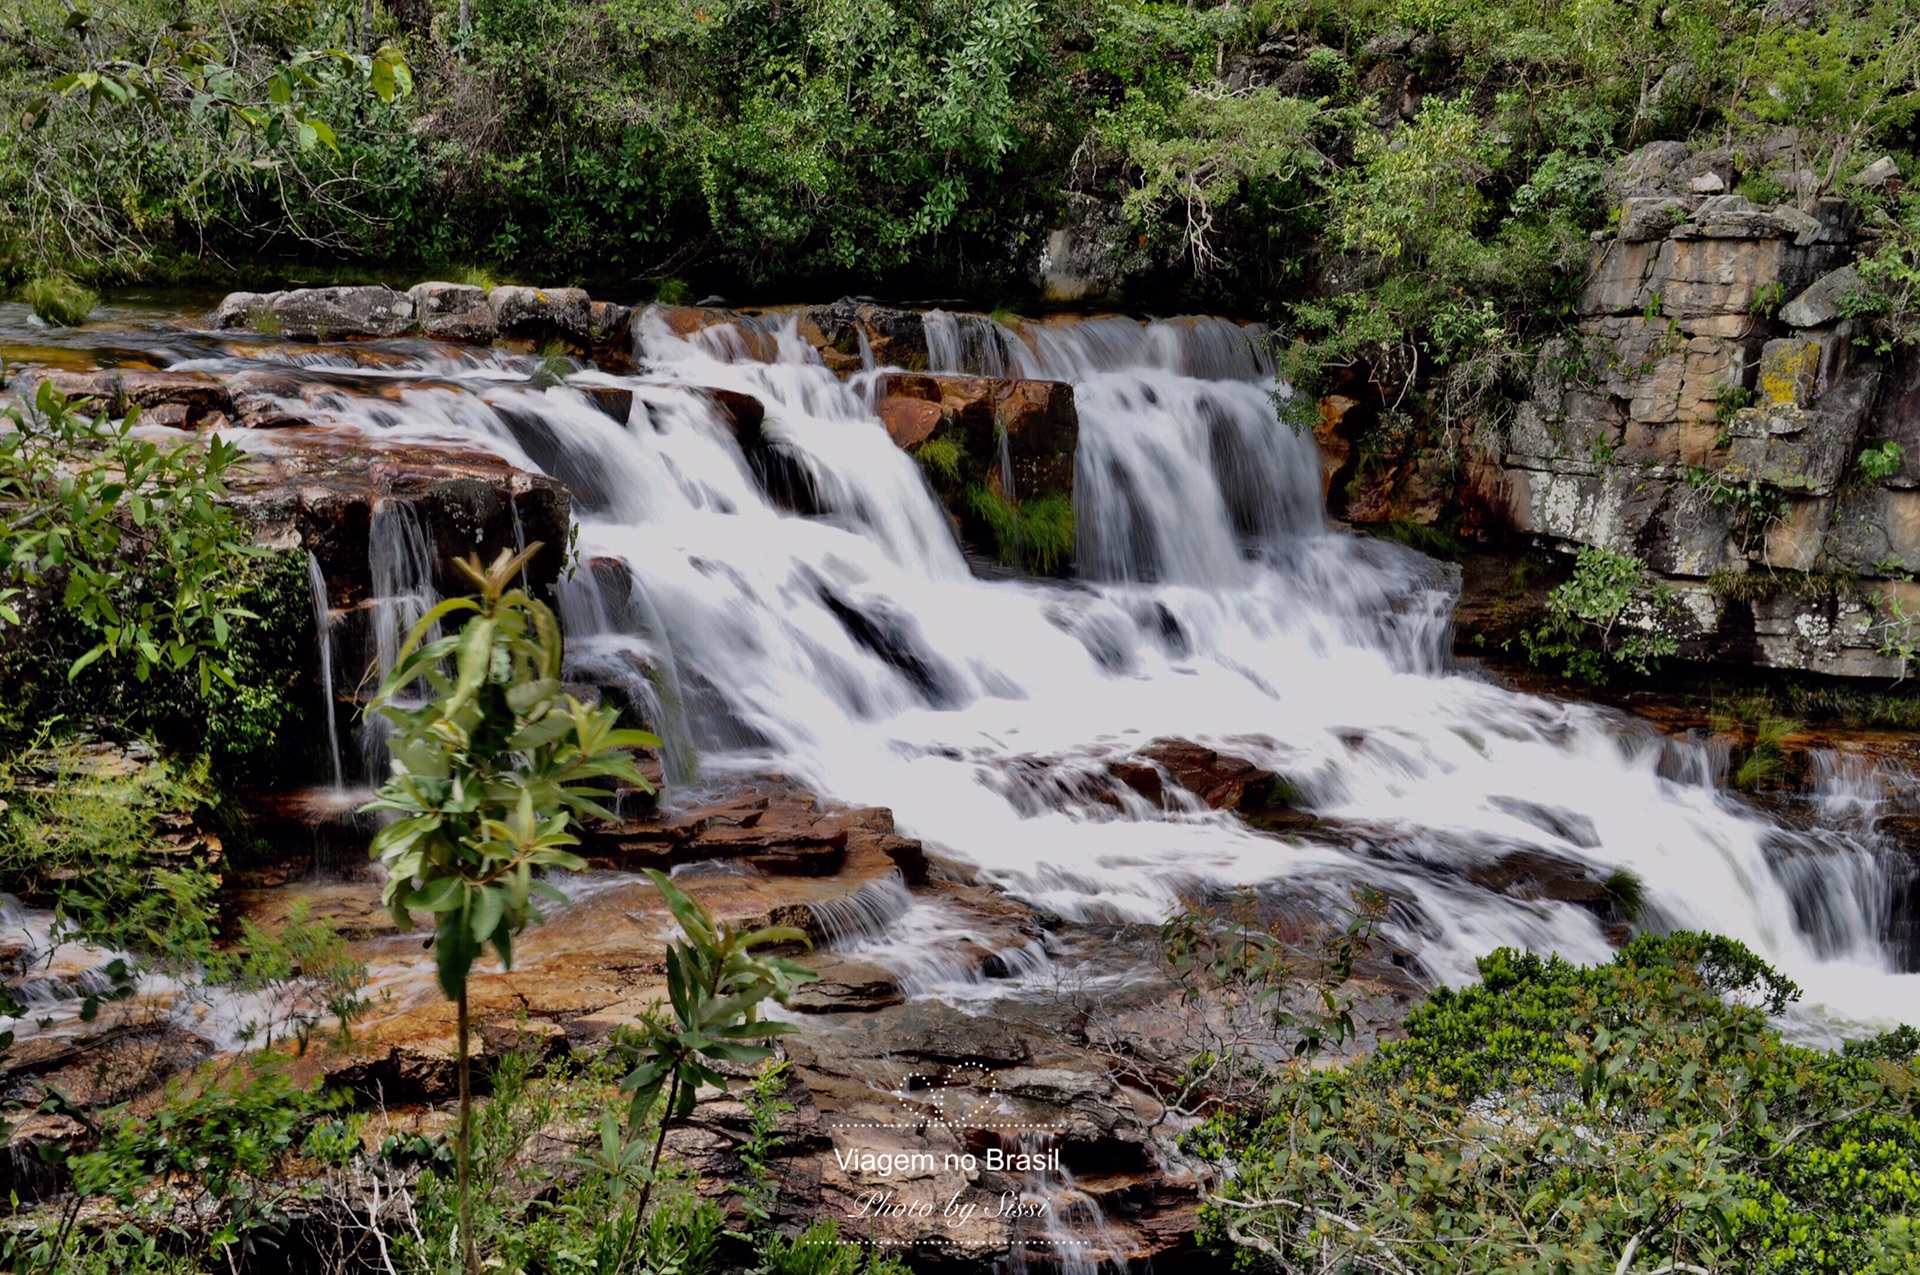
(715, 985)
(1729, 400)
(488, 774)
(131, 535)
(1877, 464)
(1585, 618)
(819, 1250)
(765, 1107)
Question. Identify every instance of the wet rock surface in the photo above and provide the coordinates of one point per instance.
(873, 1069)
(1037, 420)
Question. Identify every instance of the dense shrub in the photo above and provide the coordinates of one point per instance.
(1408, 186)
(1558, 1118)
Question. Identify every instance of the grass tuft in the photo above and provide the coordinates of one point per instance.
(59, 300)
(1629, 894)
(941, 456)
(1036, 534)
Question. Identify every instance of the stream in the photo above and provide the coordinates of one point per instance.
(1214, 602)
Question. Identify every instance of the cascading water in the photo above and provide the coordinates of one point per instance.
(400, 558)
(852, 649)
(323, 631)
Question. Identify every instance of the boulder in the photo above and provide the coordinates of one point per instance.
(542, 314)
(453, 312)
(1650, 217)
(609, 324)
(614, 401)
(743, 413)
(851, 332)
(1736, 217)
(909, 421)
(1533, 874)
(321, 489)
(241, 309)
(321, 314)
(268, 398)
(1819, 305)
(187, 400)
(1220, 780)
(1879, 173)
(1038, 418)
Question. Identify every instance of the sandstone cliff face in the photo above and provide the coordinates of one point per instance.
(1707, 412)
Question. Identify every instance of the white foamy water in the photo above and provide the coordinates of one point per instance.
(853, 649)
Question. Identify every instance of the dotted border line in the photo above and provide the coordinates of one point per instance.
(959, 1243)
(1056, 1130)
(922, 1120)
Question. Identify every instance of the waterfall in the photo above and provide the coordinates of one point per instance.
(971, 343)
(323, 630)
(848, 646)
(401, 562)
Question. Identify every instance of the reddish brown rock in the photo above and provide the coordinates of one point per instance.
(742, 412)
(1531, 874)
(181, 399)
(615, 402)
(685, 320)
(1221, 780)
(1334, 435)
(910, 421)
(769, 824)
(320, 488)
(1038, 418)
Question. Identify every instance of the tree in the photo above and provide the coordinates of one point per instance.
(489, 771)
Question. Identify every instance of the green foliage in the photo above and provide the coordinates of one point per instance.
(490, 770)
(58, 300)
(1035, 534)
(143, 125)
(1199, 156)
(715, 986)
(909, 139)
(112, 839)
(86, 829)
(1225, 953)
(942, 455)
(192, 1176)
(1435, 542)
(130, 534)
(765, 1107)
(1877, 464)
(1607, 614)
(1760, 736)
(1557, 1118)
(819, 1250)
(1889, 291)
(248, 731)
